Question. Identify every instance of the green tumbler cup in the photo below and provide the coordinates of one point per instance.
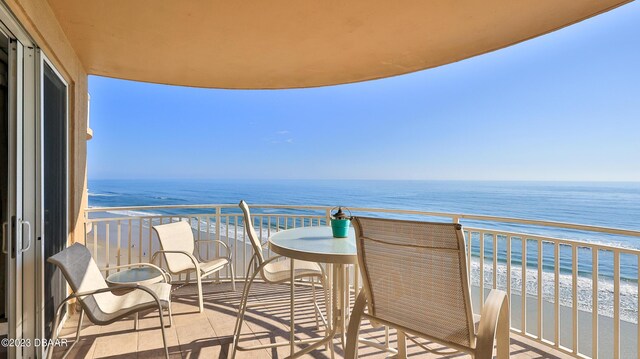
(340, 227)
(340, 224)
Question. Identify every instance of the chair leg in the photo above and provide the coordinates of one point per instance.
(233, 277)
(327, 303)
(241, 311)
(402, 345)
(354, 326)
(78, 329)
(315, 301)
(170, 316)
(164, 335)
(200, 297)
(54, 335)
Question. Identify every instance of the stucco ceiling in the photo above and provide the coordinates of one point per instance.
(298, 43)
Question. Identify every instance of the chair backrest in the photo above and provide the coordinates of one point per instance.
(251, 232)
(83, 275)
(176, 236)
(415, 275)
(79, 268)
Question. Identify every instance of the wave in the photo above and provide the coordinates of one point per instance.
(167, 198)
(102, 194)
(628, 289)
(129, 213)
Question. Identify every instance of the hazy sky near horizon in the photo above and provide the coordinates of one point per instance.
(564, 106)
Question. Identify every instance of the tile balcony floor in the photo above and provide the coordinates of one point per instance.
(208, 334)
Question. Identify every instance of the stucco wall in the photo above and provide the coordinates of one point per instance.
(39, 21)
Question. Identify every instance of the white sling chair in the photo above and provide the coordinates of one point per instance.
(274, 272)
(97, 299)
(415, 280)
(178, 247)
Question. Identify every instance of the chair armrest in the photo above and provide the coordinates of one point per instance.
(165, 274)
(198, 241)
(80, 296)
(117, 287)
(193, 259)
(494, 325)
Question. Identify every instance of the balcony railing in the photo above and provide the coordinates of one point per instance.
(569, 289)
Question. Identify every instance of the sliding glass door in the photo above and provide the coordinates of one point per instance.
(15, 141)
(54, 186)
(6, 180)
(10, 194)
(33, 190)
(34, 193)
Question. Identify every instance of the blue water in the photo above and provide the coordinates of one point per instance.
(614, 205)
(603, 204)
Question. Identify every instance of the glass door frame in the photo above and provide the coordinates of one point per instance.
(23, 165)
(42, 60)
(13, 269)
(25, 272)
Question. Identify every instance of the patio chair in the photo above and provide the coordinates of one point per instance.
(275, 271)
(98, 301)
(178, 247)
(415, 280)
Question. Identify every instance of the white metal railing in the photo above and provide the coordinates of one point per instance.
(576, 306)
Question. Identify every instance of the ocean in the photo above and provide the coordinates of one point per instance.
(615, 205)
(608, 204)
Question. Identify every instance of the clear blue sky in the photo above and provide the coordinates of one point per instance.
(565, 106)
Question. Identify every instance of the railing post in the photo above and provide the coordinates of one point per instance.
(107, 247)
(140, 227)
(594, 298)
(574, 296)
(86, 227)
(508, 244)
(523, 290)
(540, 292)
(208, 223)
(85, 232)
(556, 293)
(118, 254)
(218, 229)
(616, 304)
(481, 272)
(150, 248)
(129, 243)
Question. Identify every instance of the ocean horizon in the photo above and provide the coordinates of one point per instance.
(607, 204)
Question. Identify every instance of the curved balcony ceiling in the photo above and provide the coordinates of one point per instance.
(298, 43)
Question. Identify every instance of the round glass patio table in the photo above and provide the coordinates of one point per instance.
(141, 275)
(136, 275)
(317, 244)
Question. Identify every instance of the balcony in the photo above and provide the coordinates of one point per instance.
(554, 317)
(208, 334)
